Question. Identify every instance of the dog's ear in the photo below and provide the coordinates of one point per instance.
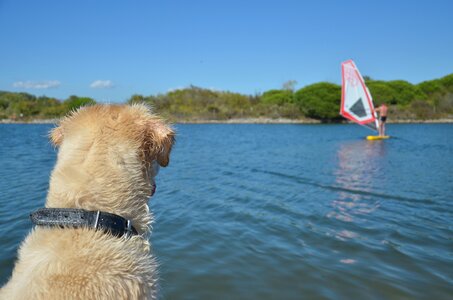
(56, 136)
(159, 141)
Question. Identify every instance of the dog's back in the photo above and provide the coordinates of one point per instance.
(82, 264)
(106, 162)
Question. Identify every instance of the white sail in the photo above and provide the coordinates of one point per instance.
(356, 102)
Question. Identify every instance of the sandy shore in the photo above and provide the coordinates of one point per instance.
(241, 121)
(421, 121)
(38, 121)
(251, 121)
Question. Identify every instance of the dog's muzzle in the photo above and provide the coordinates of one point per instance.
(153, 173)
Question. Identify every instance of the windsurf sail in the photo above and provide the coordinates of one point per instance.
(356, 102)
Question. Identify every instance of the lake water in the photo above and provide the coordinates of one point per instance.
(277, 211)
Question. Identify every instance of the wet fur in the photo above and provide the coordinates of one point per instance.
(105, 162)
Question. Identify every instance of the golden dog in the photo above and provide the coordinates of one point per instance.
(106, 162)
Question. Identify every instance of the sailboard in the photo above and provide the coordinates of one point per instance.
(356, 101)
(377, 137)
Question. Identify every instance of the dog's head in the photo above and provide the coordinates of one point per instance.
(114, 145)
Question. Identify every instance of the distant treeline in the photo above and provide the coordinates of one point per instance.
(431, 99)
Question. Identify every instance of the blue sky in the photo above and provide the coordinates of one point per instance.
(110, 50)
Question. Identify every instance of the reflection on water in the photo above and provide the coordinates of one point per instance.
(359, 162)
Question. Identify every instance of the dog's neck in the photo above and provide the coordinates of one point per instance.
(121, 191)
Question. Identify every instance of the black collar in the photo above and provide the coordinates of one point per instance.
(75, 218)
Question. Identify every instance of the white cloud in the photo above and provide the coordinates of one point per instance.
(48, 84)
(101, 84)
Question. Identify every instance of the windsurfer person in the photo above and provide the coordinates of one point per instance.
(382, 118)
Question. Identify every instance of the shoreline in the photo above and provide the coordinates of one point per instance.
(249, 121)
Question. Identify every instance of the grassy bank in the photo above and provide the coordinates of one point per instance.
(428, 101)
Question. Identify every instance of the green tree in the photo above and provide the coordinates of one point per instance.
(381, 92)
(74, 102)
(431, 87)
(396, 92)
(136, 98)
(278, 97)
(404, 92)
(320, 101)
(447, 83)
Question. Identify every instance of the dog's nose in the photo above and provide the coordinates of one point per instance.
(153, 189)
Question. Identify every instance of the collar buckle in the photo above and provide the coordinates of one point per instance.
(128, 229)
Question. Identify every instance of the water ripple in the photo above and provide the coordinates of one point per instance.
(277, 211)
